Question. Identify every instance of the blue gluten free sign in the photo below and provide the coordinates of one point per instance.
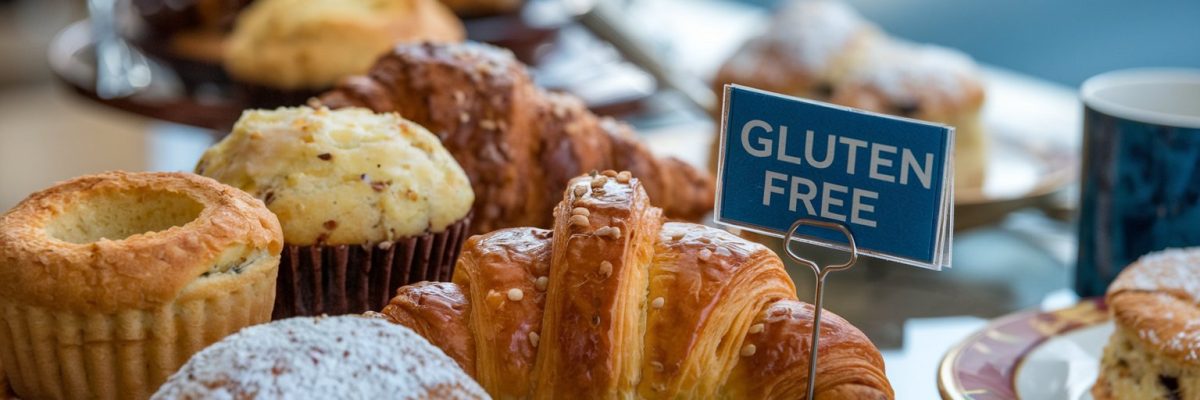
(886, 179)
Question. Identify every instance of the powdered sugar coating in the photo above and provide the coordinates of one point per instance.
(1170, 270)
(815, 32)
(345, 357)
(900, 70)
(1157, 298)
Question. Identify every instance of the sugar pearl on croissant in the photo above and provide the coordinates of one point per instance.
(705, 255)
(749, 350)
(658, 302)
(611, 232)
(515, 294)
(541, 282)
(656, 365)
(756, 328)
(533, 339)
(605, 268)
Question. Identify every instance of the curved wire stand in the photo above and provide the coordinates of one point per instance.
(820, 273)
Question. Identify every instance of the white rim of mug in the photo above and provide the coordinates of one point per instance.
(1140, 76)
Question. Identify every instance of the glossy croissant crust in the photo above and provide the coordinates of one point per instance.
(613, 303)
(518, 144)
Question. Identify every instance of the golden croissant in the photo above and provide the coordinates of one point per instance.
(615, 303)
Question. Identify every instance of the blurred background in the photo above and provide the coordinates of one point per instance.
(1035, 54)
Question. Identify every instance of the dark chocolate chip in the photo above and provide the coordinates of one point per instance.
(330, 225)
(1171, 383)
(325, 156)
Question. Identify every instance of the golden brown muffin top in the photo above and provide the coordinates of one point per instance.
(347, 176)
(120, 240)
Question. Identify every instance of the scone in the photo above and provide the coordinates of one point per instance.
(368, 202)
(347, 357)
(823, 50)
(109, 282)
(284, 51)
(1155, 351)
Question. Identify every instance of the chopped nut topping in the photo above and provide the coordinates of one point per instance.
(378, 186)
(609, 173)
(756, 328)
(540, 283)
(610, 232)
(656, 365)
(580, 190)
(606, 268)
(464, 117)
(749, 350)
(581, 211)
(534, 338)
(515, 294)
(325, 156)
(723, 252)
(624, 177)
(599, 182)
(330, 225)
(705, 254)
(580, 221)
(676, 235)
(658, 302)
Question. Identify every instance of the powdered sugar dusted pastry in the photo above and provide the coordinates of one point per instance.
(1155, 351)
(823, 50)
(346, 357)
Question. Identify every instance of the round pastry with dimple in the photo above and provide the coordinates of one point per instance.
(1155, 350)
(310, 44)
(347, 176)
(136, 270)
(322, 358)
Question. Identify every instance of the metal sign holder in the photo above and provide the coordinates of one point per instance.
(820, 274)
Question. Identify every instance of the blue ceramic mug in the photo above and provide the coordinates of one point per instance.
(1140, 189)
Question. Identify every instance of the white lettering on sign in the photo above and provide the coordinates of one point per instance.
(826, 199)
(757, 140)
(832, 198)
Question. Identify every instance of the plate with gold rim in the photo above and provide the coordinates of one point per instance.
(1031, 355)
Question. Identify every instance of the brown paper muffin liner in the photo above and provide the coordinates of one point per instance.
(55, 354)
(352, 279)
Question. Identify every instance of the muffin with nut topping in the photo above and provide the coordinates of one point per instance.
(109, 282)
(368, 202)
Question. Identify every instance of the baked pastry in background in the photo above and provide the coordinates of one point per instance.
(823, 50)
(518, 143)
(346, 357)
(368, 202)
(1154, 353)
(297, 47)
(613, 303)
(109, 282)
